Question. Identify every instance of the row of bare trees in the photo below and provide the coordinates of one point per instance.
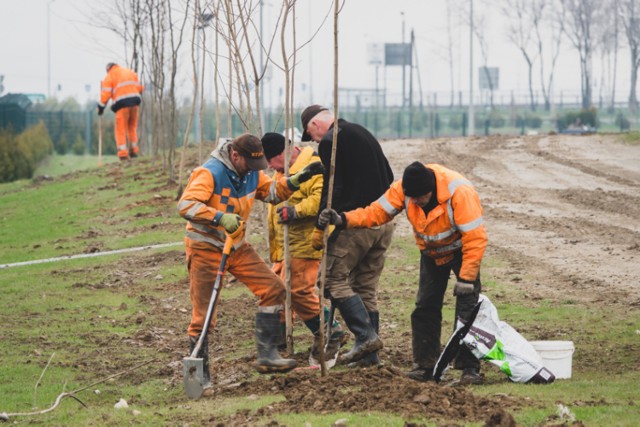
(541, 29)
(160, 37)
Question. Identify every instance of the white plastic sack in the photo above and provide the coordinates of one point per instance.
(495, 341)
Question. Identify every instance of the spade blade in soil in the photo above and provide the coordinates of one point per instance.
(193, 371)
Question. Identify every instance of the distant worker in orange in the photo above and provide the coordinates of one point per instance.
(123, 87)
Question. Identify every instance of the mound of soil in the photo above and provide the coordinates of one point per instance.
(377, 389)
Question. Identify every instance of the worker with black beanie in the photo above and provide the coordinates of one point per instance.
(445, 212)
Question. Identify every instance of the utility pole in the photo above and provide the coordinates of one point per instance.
(471, 124)
(404, 64)
(411, 72)
(204, 19)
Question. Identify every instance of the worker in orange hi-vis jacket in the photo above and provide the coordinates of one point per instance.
(445, 212)
(217, 200)
(122, 86)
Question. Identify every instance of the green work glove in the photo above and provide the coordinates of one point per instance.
(230, 222)
(306, 173)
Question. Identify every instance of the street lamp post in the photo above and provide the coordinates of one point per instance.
(205, 19)
(49, 47)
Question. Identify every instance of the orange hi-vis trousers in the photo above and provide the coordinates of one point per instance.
(126, 128)
(304, 272)
(245, 264)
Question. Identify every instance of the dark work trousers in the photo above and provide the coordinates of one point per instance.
(426, 319)
(355, 259)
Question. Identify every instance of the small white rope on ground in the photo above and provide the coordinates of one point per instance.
(91, 255)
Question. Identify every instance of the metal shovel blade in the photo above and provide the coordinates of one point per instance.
(193, 376)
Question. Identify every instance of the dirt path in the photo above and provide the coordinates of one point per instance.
(561, 211)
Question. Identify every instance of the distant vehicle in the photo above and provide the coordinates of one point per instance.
(578, 128)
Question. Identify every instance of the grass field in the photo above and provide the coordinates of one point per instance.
(96, 317)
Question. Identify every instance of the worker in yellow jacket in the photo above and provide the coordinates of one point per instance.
(445, 212)
(299, 213)
(122, 86)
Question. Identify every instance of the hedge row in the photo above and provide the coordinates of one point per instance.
(20, 154)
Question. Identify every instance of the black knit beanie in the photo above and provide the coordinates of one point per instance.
(273, 144)
(418, 180)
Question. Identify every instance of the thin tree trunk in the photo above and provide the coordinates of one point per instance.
(185, 139)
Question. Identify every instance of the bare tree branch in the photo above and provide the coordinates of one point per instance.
(6, 416)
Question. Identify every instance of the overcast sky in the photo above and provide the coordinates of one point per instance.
(79, 49)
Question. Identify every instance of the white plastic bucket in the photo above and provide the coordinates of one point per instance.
(556, 355)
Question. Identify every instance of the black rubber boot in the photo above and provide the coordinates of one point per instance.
(282, 337)
(425, 333)
(313, 324)
(419, 373)
(204, 355)
(267, 338)
(372, 358)
(357, 319)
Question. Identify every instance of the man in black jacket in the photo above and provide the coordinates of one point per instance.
(355, 257)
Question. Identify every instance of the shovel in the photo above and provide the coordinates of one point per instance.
(193, 366)
(452, 347)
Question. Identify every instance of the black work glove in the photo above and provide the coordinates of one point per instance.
(287, 214)
(462, 288)
(329, 216)
(100, 110)
(312, 169)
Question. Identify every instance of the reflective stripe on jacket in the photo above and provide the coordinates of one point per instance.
(215, 189)
(307, 202)
(455, 223)
(122, 86)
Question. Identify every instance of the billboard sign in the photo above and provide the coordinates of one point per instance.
(489, 77)
(397, 54)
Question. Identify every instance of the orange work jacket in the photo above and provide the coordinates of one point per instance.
(122, 86)
(456, 223)
(215, 188)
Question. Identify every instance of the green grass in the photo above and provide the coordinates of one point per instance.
(87, 310)
(49, 219)
(632, 138)
(56, 164)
